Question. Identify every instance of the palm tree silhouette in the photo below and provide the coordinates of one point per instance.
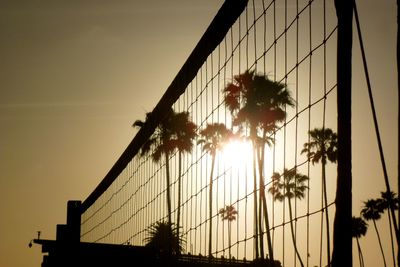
(164, 237)
(175, 132)
(213, 137)
(289, 185)
(387, 199)
(184, 133)
(359, 229)
(160, 144)
(228, 213)
(323, 148)
(372, 211)
(258, 103)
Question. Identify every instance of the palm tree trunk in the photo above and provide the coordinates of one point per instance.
(264, 203)
(169, 250)
(168, 189)
(380, 243)
(260, 227)
(360, 255)
(328, 240)
(266, 221)
(229, 237)
(292, 231)
(210, 205)
(262, 193)
(255, 201)
(321, 234)
(178, 217)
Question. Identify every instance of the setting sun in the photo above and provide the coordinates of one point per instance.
(237, 153)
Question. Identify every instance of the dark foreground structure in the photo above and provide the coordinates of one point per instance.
(67, 250)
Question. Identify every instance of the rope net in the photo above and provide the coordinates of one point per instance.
(292, 43)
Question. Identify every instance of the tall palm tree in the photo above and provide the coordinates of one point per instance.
(184, 133)
(175, 132)
(359, 229)
(289, 185)
(389, 199)
(160, 144)
(212, 138)
(164, 237)
(229, 214)
(372, 211)
(258, 103)
(323, 148)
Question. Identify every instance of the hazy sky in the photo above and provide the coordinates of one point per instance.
(74, 75)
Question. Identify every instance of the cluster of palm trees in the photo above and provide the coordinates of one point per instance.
(372, 211)
(258, 107)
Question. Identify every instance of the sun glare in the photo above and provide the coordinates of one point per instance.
(237, 153)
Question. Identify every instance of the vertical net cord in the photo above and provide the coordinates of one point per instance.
(190, 203)
(238, 185)
(376, 126)
(284, 136)
(207, 163)
(255, 225)
(309, 127)
(218, 116)
(190, 243)
(187, 180)
(260, 214)
(197, 156)
(202, 86)
(297, 109)
(274, 148)
(265, 73)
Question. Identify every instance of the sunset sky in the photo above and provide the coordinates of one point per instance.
(74, 75)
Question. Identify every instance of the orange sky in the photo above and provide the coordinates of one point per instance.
(74, 75)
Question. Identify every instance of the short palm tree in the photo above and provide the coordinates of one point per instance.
(359, 229)
(258, 103)
(372, 211)
(164, 237)
(212, 139)
(228, 214)
(387, 199)
(289, 185)
(323, 148)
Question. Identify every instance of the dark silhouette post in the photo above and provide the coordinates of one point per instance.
(74, 220)
(342, 236)
(71, 232)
